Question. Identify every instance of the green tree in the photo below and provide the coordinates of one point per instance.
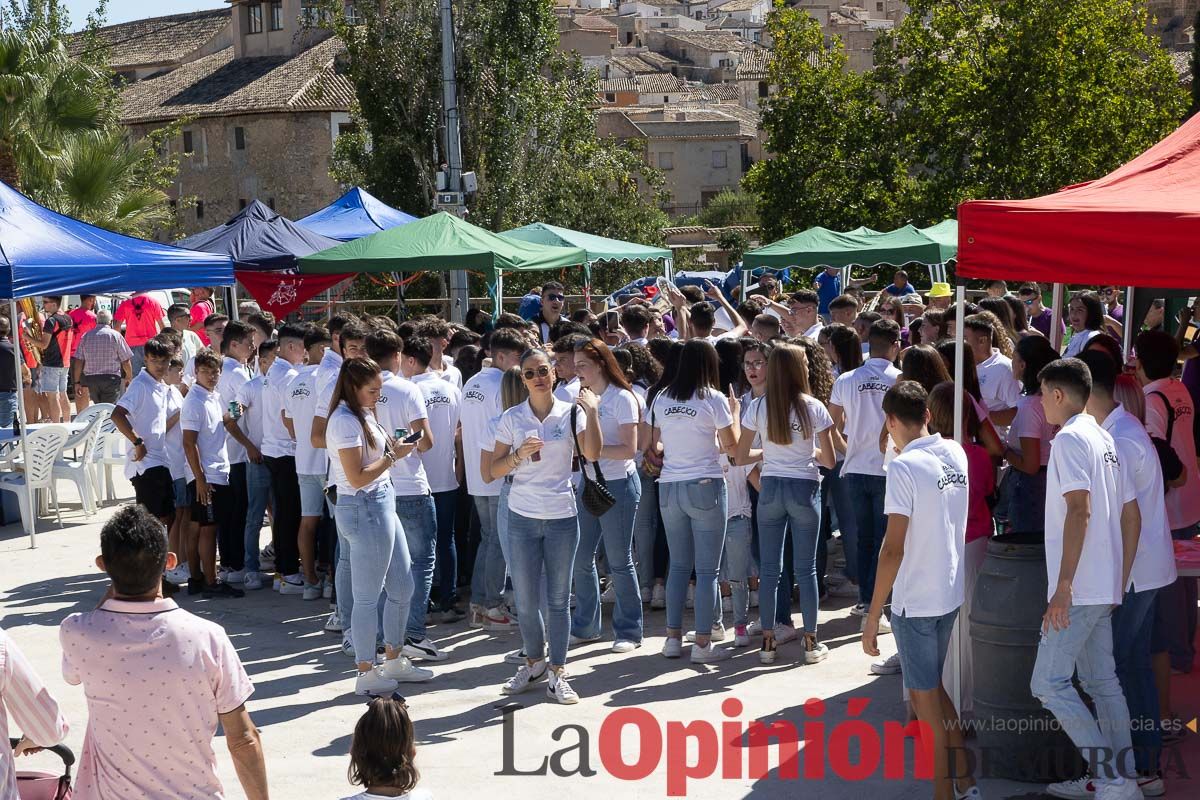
(1016, 98)
(834, 163)
(730, 208)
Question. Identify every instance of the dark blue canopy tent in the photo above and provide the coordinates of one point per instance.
(354, 215)
(257, 238)
(45, 253)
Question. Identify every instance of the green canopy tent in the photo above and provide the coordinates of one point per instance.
(599, 248)
(440, 243)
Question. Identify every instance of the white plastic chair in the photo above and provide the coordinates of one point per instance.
(79, 470)
(43, 447)
(83, 417)
(110, 452)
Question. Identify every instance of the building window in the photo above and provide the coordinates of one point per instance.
(346, 127)
(666, 99)
(352, 15)
(665, 161)
(239, 138)
(879, 6)
(254, 18)
(310, 12)
(199, 209)
(187, 142)
(720, 159)
(610, 97)
(763, 89)
(276, 15)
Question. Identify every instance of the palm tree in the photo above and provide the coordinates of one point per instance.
(101, 179)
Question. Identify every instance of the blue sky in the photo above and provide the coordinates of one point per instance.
(126, 10)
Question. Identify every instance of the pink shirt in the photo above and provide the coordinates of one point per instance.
(84, 321)
(141, 315)
(201, 312)
(155, 677)
(981, 478)
(35, 712)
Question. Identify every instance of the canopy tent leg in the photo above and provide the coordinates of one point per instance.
(1056, 333)
(1127, 344)
(498, 295)
(587, 285)
(669, 268)
(960, 627)
(31, 523)
(233, 303)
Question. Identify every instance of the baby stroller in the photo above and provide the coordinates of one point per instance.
(35, 785)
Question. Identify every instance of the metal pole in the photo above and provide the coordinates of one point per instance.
(498, 301)
(459, 286)
(31, 523)
(1056, 332)
(960, 626)
(233, 302)
(1127, 344)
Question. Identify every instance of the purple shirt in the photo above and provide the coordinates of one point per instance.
(1042, 322)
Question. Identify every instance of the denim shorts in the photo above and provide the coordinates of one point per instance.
(923, 642)
(312, 494)
(51, 379)
(181, 493)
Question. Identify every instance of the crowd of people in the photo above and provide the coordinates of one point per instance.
(683, 450)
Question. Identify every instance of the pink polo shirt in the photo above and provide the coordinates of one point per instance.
(155, 677)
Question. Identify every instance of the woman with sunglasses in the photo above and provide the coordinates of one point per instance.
(694, 422)
(534, 451)
(619, 414)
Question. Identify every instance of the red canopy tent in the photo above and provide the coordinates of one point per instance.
(1138, 225)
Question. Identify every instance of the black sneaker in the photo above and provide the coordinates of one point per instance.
(222, 589)
(196, 586)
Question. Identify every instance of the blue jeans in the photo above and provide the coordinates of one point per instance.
(138, 359)
(258, 497)
(1132, 623)
(782, 501)
(419, 524)
(645, 529)
(487, 579)
(8, 408)
(737, 565)
(378, 554)
(694, 515)
(843, 505)
(446, 562)
(1086, 646)
(922, 643)
(867, 492)
(536, 546)
(616, 528)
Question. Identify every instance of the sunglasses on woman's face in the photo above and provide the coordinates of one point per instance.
(1028, 302)
(555, 298)
(541, 372)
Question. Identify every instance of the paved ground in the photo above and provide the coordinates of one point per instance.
(304, 705)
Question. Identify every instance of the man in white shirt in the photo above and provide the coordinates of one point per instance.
(1175, 606)
(1092, 530)
(480, 410)
(921, 567)
(279, 453)
(311, 463)
(237, 344)
(999, 389)
(437, 331)
(1153, 568)
(803, 305)
(258, 477)
(141, 417)
(856, 406)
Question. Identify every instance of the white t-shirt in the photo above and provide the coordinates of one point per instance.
(299, 406)
(794, 460)
(814, 331)
(175, 458)
(202, 412)
(1154, 563)
(450, 373)
(927, 483)
(400, 403)
(415, 794)
(688, 432)
(542, 489)
(859, 393)
(327, 375)
(736, 487)
(1030, 423)
(1183, 503)
(480, 406)
(617, 407)
(145, 401)
(997, 386)
(1085, 458)
(277, 442)
(344, 432)
(568, 392)
(1079, 341)
(233, 377)
(443, 402)
(250, 397)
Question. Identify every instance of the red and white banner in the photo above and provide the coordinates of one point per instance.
(281, 293)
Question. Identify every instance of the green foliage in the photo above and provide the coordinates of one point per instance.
(735, 243)
(729, 208)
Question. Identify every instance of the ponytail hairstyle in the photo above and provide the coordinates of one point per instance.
(384, 747)
(847, 347)
(355, 374)
(513, 391)
(787, 387)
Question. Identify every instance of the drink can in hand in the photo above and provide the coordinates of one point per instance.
(532, 435)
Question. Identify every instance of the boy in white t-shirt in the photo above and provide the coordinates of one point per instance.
(258, 477)
(921, 567)
(1092, 530)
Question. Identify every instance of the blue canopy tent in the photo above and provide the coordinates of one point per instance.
(257, 238)
(354, 215)
(45, 253)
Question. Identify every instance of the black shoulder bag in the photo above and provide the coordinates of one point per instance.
(597, 499)
(1168, 459)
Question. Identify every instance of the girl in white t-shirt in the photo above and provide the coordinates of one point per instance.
(796, 438)
(360, 454)
(382, 753)
(1029, 435)
(693, 424)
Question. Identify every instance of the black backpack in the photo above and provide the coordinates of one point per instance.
(1168, 459)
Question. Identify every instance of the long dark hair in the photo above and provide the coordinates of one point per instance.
(847, 347)
(970, 377)
(598, 351)
(1016, 310)
(1036, 352)
(646, 369)
(670, 366)
(820, 373)
(729, 361)
(383, 747)
(698, 369)
(1095, 310)
(355, 374)
(923, 364)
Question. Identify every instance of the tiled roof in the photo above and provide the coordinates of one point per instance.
(633, 65)
(654, 82)
(712, 92)
(594, 23)
(618, 85)
(749, 118)
(659, 3)
(659, 61)
(716, 41)
(220, 85)
(753, 65)
(158, 39)
(1182, 62)
(737, 5)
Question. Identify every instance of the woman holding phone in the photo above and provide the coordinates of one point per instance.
(361, 453)
(534, 451)
(692, 422)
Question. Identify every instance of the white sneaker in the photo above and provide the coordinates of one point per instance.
(754, 598)
(625, 646)
(334, 623)
(717, 634)
(253, 581)
(1151, 785)
(741, 638)
(1126, 790)
(691, 596)
(578, 640)
(672, 648)
(276, 582)
(859, 609)
(754, 628)
(647, 592)
(515, 657)
(180, 574)
(235, 576)
(814, 651)
(658, 596)
(312, 591)
(524, 677)
(558, 689)
(710, 654)
(785, 634)
(401, 670)
(886, 666)
(1079, 789)
(292, 584)
(373, 681)
(327, 589)
(347, 644)
(422, 650)
(476, 616)
(766, 656)
(972, 793)
(498, 619)
(609, 595)
(884, 625)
